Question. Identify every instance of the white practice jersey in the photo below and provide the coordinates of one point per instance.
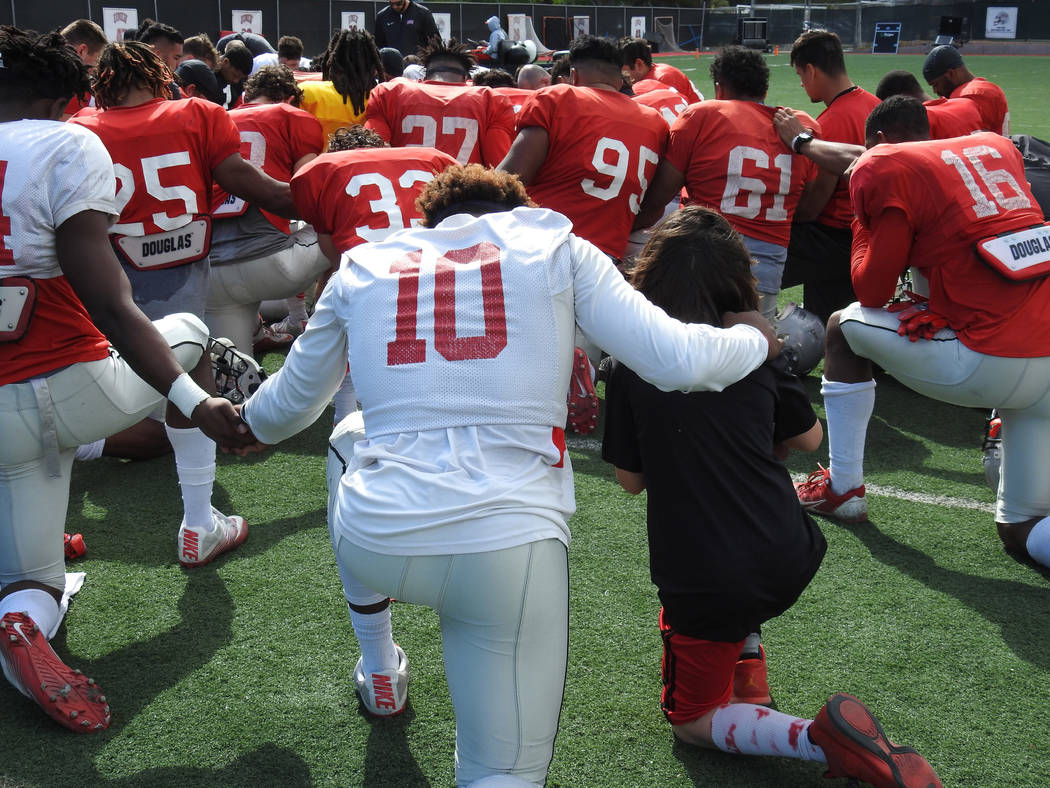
(461, 342)
(49, 171)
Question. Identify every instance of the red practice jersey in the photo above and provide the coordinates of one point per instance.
(472, 125)
(843, 121)
(516, 96)
(273, 138)
(667, 101)
(955, 193)
(673, 77)
(991, 102)
(735, 162)
(602, 152)
(163, 155)
(952, 118)
(365, 194)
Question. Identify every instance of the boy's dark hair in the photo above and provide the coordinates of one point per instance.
(470, 186)
(276, 83)
(898, 83)
(820, 48)
(696, 267)
(743, 71)
(900, 118)
(354, 137)
(453, 57)
(84, 31)
(290, 47)
(201, 48)
(36, 66)
(631, 49)
(560, 69)
(494, 78)
(150, 31)
(597, 51)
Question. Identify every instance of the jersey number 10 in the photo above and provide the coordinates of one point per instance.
(408, 348)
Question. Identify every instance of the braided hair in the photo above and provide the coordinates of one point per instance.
(123, 67)
(35, 66)
(353, 65)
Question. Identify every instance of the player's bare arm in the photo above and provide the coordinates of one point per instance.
(88, 262)
(527, 153)
(631, 482)
(807, 441)
(755, 320)
(667, 182)
(833, 157)
(241, 178)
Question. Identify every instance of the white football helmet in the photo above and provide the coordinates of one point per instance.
(237, 374)
(803, 335)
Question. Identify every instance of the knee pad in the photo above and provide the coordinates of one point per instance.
(186, 335)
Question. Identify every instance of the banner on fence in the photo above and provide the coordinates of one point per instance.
(581, 26)
(444, 25)
(1001, 22)
(247, 21)
(352, 20)
(637, 27)
(117, 21)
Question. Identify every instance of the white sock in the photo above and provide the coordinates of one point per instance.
(376, 638)
(297, 307)
(1038, 542)
(90, 451)
(848, 407)
(345, 399)
(755, 730)
(752, 645)
(195, 465)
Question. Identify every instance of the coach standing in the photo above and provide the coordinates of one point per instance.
(406, 26)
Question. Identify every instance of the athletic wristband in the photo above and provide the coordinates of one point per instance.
(186, 395)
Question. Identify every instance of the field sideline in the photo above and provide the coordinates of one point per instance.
(239, 673)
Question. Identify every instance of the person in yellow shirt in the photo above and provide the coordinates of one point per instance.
(351, 67)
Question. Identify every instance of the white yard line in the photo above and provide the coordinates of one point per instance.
(580, 443)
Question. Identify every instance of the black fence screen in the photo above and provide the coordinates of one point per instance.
(695, 27)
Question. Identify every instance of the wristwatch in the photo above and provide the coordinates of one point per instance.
(800, 140)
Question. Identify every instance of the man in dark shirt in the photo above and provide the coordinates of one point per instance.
(406, 26)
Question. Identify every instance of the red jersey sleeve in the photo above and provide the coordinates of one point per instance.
(378, 109)
(223, 138)
(307, 186)
(304, 134)
(499, 131)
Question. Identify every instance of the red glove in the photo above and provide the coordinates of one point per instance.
(916, 320)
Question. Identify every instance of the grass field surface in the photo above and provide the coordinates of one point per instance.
(239, 673)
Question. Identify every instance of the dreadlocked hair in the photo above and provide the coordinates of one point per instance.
(695, 267)
(353, 65)
(276, 83)
(354, 137)
(35, 66)
(122, 67)
(452, 52)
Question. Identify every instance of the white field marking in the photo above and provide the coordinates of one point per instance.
(579, 443)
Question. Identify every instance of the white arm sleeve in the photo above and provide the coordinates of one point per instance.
(290, 400)
(664, 351)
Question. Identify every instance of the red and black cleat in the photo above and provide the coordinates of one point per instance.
(75, 547)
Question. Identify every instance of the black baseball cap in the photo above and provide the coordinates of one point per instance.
(939, 60)
(196, 72)
(393, 63)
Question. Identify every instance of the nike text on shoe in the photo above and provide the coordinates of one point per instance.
(582, 401)
(856, 746)
(66, 695)
(816, 496)
(383, 693)
(198, 547)
(750, 681)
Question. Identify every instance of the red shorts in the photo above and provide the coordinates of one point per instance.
(697, 674)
